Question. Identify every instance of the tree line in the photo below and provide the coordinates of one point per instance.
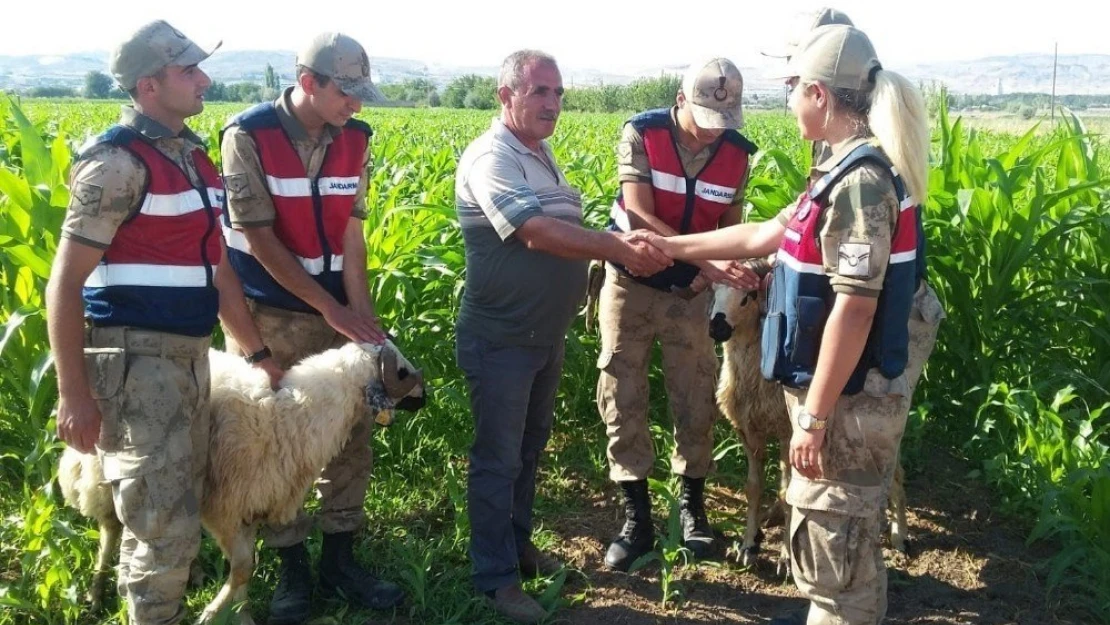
(472, 91)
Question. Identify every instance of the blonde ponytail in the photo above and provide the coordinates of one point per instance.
(899, 121)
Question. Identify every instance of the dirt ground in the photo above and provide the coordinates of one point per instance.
(967, 566)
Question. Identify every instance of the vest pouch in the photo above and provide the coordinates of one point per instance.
(774, 327)
(811, 324)
(927, 306)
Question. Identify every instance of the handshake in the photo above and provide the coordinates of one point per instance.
(644, 253)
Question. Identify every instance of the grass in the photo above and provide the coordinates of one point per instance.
(1018, 235)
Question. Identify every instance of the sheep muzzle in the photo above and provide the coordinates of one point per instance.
(719, 328)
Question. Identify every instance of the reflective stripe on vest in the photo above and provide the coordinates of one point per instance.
(801, 296)
(302, 187)
(236, 240)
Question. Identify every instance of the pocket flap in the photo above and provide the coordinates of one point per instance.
(132, 462)
(928, 305)
(106, 368)
(877, 385)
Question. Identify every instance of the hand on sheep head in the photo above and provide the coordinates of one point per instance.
(361, 328)
(733, 273)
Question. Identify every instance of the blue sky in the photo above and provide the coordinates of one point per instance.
(605, 35)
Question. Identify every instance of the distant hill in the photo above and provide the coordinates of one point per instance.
(1082, 74)
(1076, 74)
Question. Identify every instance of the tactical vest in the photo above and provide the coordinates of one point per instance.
(158, 272)
(687, 204)
(801, 297)
(312, 213)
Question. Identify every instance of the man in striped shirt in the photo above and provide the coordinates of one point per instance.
(526, 262)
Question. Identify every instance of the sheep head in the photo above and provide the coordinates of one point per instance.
(395, 385)
(734, 308)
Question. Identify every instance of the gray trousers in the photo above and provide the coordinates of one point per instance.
(512, 397)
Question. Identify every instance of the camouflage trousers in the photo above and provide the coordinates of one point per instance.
(836, 521)
(292, 336)
(152, 390)
(632, 316)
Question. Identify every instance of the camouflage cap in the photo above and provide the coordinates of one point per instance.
(838, 56)
(713, 89)
(153, 46)
(804, 23)
(344, 60)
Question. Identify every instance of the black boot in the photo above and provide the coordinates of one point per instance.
(341, 574)
(637, 537)
(794, 617)
(697, 536)
(292, 600)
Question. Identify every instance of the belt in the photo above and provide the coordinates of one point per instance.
(149, 342)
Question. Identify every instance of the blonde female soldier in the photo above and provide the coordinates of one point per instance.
(851, 320)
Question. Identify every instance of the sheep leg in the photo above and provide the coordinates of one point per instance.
(197, 577)
(754, 490)
(238, 547)
(776, 513)
(784, 482)
(898, 539)
(244, 612)
(110, 531)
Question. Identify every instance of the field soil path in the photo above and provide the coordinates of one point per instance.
(968, 566)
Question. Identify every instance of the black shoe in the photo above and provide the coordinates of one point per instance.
(637, 537)
(795, 617)
(341, 575)
(697, 536)
(292, 600)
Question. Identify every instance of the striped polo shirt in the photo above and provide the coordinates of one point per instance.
(514, 295)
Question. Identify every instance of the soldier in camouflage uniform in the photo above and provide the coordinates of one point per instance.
(288, 163)
(682, 169)
(805, 22)
(138, 281)
(848, 359)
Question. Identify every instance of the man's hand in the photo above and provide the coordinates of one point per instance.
(731, 272)
(79, 422)
(357, 327)
(275, 372)
(640, 254)
(700, 283)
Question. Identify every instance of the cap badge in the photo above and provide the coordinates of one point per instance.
(720, 94)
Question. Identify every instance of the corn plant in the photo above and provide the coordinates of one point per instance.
(1018, 239)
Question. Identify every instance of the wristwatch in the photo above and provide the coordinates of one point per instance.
(810, 423)
(259, 356)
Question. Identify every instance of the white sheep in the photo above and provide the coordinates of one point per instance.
(757, 411)
(81, 479)
(266, 448)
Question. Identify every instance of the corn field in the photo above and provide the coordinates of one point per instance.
(1019, 249)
